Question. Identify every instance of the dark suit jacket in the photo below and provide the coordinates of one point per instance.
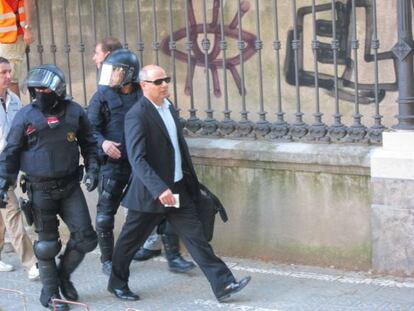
(151, 155)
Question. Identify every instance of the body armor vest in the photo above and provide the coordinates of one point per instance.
(52, 148)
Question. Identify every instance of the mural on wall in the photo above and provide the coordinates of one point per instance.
(346, 86)
(213, 29)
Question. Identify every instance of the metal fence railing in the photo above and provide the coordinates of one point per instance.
(301, 70)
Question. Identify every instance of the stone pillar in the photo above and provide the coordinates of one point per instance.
(403, 51)
(392, 213)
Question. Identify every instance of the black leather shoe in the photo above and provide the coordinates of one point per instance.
(107, 267)
(68, 290)
(179, 265)
(124, 294)
(144, 254)
(233, 288)
(58, 306)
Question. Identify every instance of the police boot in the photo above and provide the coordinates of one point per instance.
(69, 261)
(176, 262)
(50, 282)
(106, 244)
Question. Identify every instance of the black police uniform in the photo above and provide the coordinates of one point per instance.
(106, 112)
(44, 144)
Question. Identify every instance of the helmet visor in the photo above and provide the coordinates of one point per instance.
(41, 78)
(113, 75)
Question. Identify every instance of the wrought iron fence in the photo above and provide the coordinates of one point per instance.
(297, 64)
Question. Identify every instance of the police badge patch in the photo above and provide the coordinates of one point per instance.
(70, 136)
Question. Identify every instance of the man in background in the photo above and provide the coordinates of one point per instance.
(15, 34)
(103, 48)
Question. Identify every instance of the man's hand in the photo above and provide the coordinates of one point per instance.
(28, 36)
(111, 149)
(91, 180)
(167, 198)
(4, 198)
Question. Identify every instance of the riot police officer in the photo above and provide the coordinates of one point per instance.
(118, 91)
(44, 143)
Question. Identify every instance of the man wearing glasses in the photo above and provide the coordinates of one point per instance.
(163, 186)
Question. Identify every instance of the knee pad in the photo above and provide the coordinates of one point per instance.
(104, 222)
(47, 250)
(108, 191)
(84, 241)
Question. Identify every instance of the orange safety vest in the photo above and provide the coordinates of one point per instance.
(9, 20)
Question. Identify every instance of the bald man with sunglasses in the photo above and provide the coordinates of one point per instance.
(164, 185)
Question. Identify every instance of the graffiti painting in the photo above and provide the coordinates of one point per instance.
(214, 63)
(346, 87)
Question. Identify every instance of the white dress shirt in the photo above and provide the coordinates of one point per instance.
(169, 123)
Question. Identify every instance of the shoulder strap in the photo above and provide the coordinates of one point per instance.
(72, 114)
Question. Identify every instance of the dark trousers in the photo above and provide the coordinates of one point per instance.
(70, 204)
(71, 207)
(185, 222)
(113, 179)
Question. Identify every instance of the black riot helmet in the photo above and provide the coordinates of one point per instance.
(47, 76)
(119, 68)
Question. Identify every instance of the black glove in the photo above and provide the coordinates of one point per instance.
(4, 198)
(91, 180)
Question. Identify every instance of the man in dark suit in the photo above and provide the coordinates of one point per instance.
(161, 166)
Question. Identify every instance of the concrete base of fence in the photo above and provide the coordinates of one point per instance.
(290, 202)
(392, 210)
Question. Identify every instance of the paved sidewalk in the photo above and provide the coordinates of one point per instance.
(273, 287)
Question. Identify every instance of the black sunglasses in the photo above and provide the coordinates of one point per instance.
(160, 81)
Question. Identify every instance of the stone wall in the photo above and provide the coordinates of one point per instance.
(290, 202)
(287, 202)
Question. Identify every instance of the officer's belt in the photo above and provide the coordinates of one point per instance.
(55, 183)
